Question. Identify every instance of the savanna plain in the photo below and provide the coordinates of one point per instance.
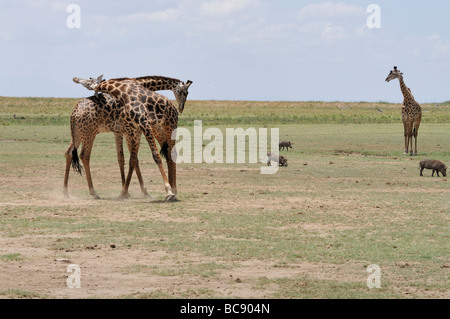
(349, 198)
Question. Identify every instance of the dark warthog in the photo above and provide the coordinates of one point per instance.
(284, 144)
(435, 165)
(281, 160)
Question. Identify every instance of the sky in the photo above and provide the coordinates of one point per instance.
(259, 50)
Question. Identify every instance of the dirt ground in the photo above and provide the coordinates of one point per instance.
(102, 276)
(42, 271)
(109, 271)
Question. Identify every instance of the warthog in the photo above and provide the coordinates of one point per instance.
(284, 144)
(281, 160)
(435, 165)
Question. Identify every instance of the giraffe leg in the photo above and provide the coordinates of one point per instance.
(415, 146)
(66, 174)
(120, 156)
(409, 137)
(85, 156)
(405, 132)
(416, 132)
(130, 139)
(133, 143)
(172, 167)
(138, 171)
(132, 165)
(411, 142)
(157, 158)
(171, 164)
(406, 145)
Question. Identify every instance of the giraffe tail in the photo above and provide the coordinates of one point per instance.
(76, 162)
(165, 150)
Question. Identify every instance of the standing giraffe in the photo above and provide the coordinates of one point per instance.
(100, 113)
(143, 111)
(411, 112)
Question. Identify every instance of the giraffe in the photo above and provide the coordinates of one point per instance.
(143, 111)
(140, 111)
(411, 112)
(99, 113)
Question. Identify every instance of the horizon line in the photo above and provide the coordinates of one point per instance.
(238, 100)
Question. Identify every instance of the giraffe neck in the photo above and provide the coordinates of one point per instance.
(157, 83)
(115, 88)
(405, 91)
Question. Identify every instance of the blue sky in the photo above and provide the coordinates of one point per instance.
(280, 50)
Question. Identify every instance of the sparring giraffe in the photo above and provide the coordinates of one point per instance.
(147, 112)
(411, 112)
(101, 113)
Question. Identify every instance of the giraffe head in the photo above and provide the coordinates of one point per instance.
(90, 84)
(181, 93)
(394, 74)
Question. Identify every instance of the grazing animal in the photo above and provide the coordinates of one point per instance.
(100, 113)
(280, 159)
(435, 165)
(411, 112)
(284, 144)
(147, 112)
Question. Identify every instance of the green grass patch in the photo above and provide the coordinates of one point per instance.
(57, 111)
(11, 257)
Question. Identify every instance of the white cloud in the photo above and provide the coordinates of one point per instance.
(332, 32)
(332, 22)
(328, 10)
(274, 32)
(36, 3)
(59, 6)
(158, 16)
(441, 45)
(218, 7)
